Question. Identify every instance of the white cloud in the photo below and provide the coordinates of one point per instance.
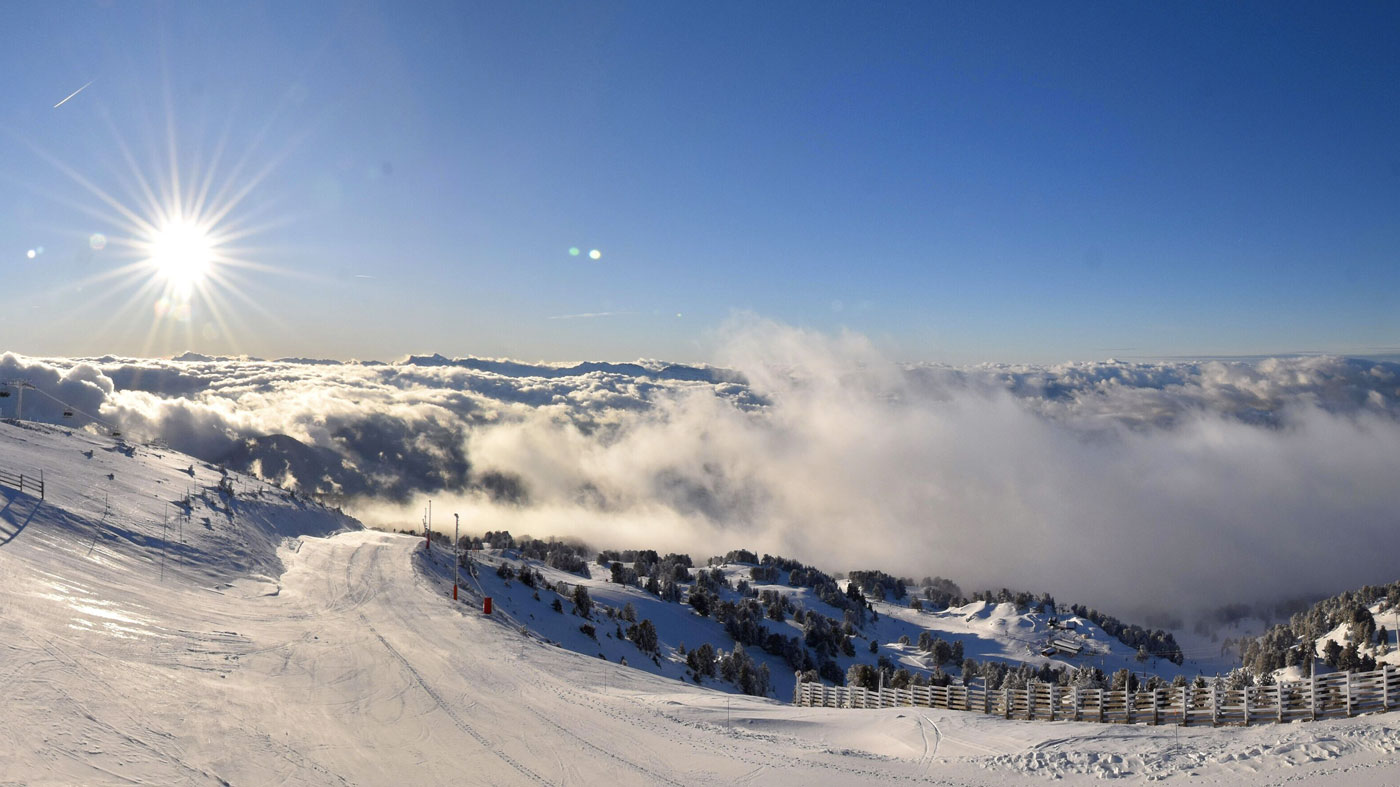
(1109, 483)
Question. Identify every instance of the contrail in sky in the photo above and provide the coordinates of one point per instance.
(74, 93)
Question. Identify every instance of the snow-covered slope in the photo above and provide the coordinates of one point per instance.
(147, 510)
(985, 631)
(286, 646)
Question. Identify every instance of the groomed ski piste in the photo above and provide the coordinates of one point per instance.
(160, 629)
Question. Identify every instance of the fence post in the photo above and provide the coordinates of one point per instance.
(1186, 705)
(1349, 674)
(1054, 696)
(1281, 686)
(1312, 696)
(1246, 706)
(1385, 687)
(1077, 709)
(1100, 691)
(1006, 701)
(1215, 704)
(1156, 708)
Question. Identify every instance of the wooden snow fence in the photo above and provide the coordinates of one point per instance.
(1333, 696)
(23, 482)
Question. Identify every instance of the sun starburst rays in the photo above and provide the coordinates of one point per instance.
(177, 241)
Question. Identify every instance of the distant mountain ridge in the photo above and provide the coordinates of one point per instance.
(510, 368)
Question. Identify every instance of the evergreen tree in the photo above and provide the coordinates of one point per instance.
(1350, 660)
(702, 661)
(1363, 625)
(583, 605)
(863, 675)
(1124, 679)
(1332, 654)
(830, 670)
(643, 635)
(700, 602)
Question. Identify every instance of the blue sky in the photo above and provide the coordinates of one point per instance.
(975, 182)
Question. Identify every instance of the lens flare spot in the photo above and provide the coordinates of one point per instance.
(574, 251)
(97, 241)
(172, 308)
(31, 254)
(595, 254)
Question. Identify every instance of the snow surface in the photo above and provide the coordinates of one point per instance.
(287, 646)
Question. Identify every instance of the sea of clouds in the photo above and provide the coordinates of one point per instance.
(1122, 485)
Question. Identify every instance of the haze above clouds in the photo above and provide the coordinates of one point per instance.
(1111, 483)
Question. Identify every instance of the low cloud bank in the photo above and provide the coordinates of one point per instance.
(1118, 484)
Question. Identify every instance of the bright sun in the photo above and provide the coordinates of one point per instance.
(181, 253)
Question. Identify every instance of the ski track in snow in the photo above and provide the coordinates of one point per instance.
(447, 708)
